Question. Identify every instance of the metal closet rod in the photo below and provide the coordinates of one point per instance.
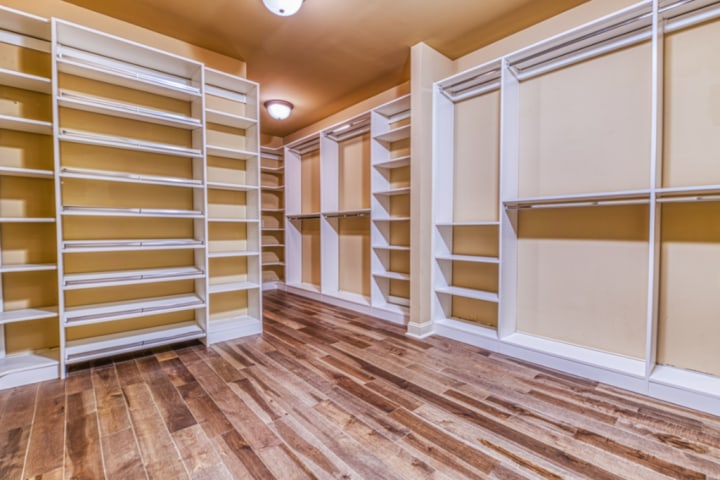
(346, 215)
(588, 203)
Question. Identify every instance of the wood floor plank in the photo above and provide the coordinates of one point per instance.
(201, 459)
(122, 457)
(47, 440)
(171, 405)
(83, 454)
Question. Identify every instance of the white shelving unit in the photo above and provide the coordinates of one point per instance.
(233, 183)
(272, 184)
(602, 224)
(28, 257)
(130, 162)
(390, 209)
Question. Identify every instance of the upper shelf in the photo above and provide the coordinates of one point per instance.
(129, 212)
(394, 135)
(472, 83)
(89, 138)
(232, 153)
(27, 125)
(130, 277)
(398, 162)
(35, 31)
(25, 81)
(126, 177)
(85, 246)
(228, 119)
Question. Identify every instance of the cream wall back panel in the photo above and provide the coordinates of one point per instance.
(23, 243)
(582, 276)
(354, 255)
(310, 182)
(475, 311)
(476, 240)
(311, 251)
(354, 173)
(583, 125)
(477, 159)
(690, 287)
(26, 150)
(33, 62)
(692, 107)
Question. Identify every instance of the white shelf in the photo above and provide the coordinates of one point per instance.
(25, 81)
(274, 188)
(391, 219)
(130, 212)
(27, 125)
(232, 153)
(686, 379)
(104, 69)
(28, 268)
(273, 264)
(26, 220)
(279, 210)
(273, 245)
(393, 192)
(398, 162)
(116, 344)
(27, 315)
(103, 106)
(127, 245)
(394, 135)
(26, 172)
(111, 311)
(228, 119)
(233, 287)
(272, 169)
(273, 229)
(469, 293)
(75, 281)
(392, 248)
(234, 254)
(125, 177)
(89, 138)
(232, 186)
(392, 275)
(469, 258)
(232, 220)
(25, 362)
(467, 224)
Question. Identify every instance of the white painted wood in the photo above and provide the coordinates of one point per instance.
(26, 368)
(27, 315)
(73, 281)
(110, 311)
(469, 293)
(232, 287)
(25, 81)
(28, 125)
(129, 212)
(111, 141)
(128, 177)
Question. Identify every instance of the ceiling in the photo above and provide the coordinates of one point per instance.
(333, 53)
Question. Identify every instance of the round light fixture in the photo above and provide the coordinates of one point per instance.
(279, 109)
(284, 8)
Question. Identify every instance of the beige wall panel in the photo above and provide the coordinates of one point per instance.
(142, 163)
(226, 170)
(274, 273)
(25, 60)
(477, 276)
(229, 304)
(121, 127)
(476, 240)
(310, 182)
(123, 94)
(26, 104)
(272, 255)
(272, 238)
(400, 234)
(111, 261)
(127, 292)
(400, 148)
(213, 102)
(400, 177)
(400, 288)
(475, 311)
(228, 270)
(76, 192)
(28, 243)
(354, 255)
(227, 237)
(574, 142)
(26, 197)
(400, 206)
(692, 107)
(582, 276)
(224, 136)
(272, 219)
(354, 173)
(29, 289)
(28, 336)
(129, 325)
(271, 179)
(226, 204)
(272, 199)
(400, 123)
(311, 251)
(400, 262)
(477, 159)
(689, 285)
(89, 228)
(26, 150)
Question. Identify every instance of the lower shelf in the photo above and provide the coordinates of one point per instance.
(108, 345)
(105, 312)
(25, 368)
(233, 287)
(222, 328)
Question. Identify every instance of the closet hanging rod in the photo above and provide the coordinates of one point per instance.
(589, 203)
(346, 214)
(690, 198)
(702, 14)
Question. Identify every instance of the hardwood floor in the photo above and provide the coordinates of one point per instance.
(327, 393)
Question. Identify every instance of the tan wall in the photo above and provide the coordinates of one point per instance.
(354, 255)
(311, 252)
(354, 173)
(310, 182)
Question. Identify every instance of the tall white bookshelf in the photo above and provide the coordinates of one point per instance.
(272, 184)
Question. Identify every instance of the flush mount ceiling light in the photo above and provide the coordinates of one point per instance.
(279, 109)
(284, 8)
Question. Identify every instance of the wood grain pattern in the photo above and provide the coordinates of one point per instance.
(326, 393)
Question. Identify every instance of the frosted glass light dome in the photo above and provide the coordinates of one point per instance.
(279, 109)
(284, 8)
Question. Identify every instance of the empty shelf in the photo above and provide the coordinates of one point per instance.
(25, 125)
(130, 212)
(232, 287)
(28, 268)
(265, 169)
(230, 254)
(469, 293)
(228, 119)
(27, 314)
(468, 258)
(114, 176)
(26, 172)
(25, 81)
(273, 245)
(398, 162)
(392, 275)
(397, 134)
(273, 264)
(106, 312)
(23, 362)
(466, 224)
(394, 191)
(273, 229)
(89, 138)
(394, 248)
(131, 244)
(272, 188)
(128, 277)
(233, 153)
(231, 186)
(232, 220)
(391, 219)
(26, 220)
(118, 343)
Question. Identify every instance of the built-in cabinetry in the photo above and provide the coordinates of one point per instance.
(28, 253)
(272, 183)
(579, 197)
(115, 233)
(348, 210)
